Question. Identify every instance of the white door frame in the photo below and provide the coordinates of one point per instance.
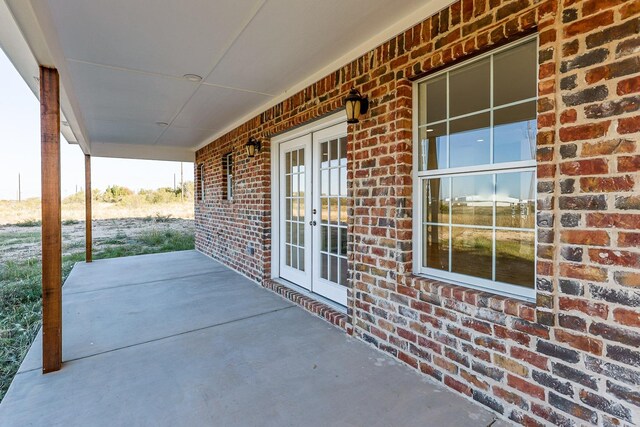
(276, 141)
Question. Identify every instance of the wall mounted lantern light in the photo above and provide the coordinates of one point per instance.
(355, 104)
(252, 146)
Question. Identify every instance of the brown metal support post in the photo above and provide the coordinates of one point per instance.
(87, 201)
(51, 221)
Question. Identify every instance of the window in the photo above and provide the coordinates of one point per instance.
(227, 168)
(201, 181)
(475, 171)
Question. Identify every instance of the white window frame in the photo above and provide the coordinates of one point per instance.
(500, 288)
(229, 166)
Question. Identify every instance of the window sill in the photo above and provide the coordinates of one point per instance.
(449, 295)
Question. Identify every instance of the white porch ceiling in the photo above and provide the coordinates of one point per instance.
(122, 62)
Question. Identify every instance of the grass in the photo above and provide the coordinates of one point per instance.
(21, 288)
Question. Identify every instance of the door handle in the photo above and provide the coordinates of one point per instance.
(312, 223)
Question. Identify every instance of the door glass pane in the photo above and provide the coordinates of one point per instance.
(301, 228)
(294, 233)
(324, 266)
(324, 183)
(334, 182)
(343, 211)
(343, 271)
(343, 241)
(471, 251)
(333, 240)
(433, 147)
(469, 88)
(515, 200)
(288, 255)
(472, 200)
(469, 141)
(333, 210)
(515, 74)
(436, 251)
(324, 238)
(343, 182)
(515, 257)
(436, 198)
(333, 268)
(514, 133)
(301, 259)
(333, 153)
(343, 151)
(287, 157)
(324, 155)
(294, 257)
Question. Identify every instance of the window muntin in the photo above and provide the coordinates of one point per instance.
(475, 174)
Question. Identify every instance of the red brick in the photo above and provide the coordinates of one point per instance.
(588, 307)
(627, 317)
(606, 185)
(628, 240)
(581, 342)
(613, 220)
(628, 86)
(629, 125)
(589, 24)
(586, 131)
(525, 386)
(583, 272)
(457, 385)
(585, 237)
(608, 147)
(628, 163)
(530, 357)
(609, 257)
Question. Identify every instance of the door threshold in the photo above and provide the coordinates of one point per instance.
(331, 304)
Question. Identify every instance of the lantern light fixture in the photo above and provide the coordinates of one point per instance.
(253, 146)
(355, 104)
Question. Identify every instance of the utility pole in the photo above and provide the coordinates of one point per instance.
(19, 188)
(181, 183)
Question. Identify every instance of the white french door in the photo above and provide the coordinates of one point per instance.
(312, 201)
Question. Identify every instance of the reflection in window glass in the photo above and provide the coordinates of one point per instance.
(436, 253)
(470, 141)
(472, 251)
(514, 133)
(515, 257)
(436, 99)
(515, 200)
(433, 147)
(469, 88)
(472, 199)
(515, 74)
(436, 197)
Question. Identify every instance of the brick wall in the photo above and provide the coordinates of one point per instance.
(570, 359)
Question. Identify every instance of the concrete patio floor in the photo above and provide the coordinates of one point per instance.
(178, 339)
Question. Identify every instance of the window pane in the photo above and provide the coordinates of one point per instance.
(472, 200)
(515, 200)
(422, 103)
(515, 74)
(333, 210)
(343, 211)
(514, 133)
(436, 200)
(333, 241)
(469, 88)
(433, 147)
(472, 252)
(436, 98)
(515, 257)
(301, 259)
(469, 141)
(436, 249)
(324, 238)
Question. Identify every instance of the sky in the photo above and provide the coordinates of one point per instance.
(20, 151)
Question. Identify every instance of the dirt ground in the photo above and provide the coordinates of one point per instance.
(19, 243)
